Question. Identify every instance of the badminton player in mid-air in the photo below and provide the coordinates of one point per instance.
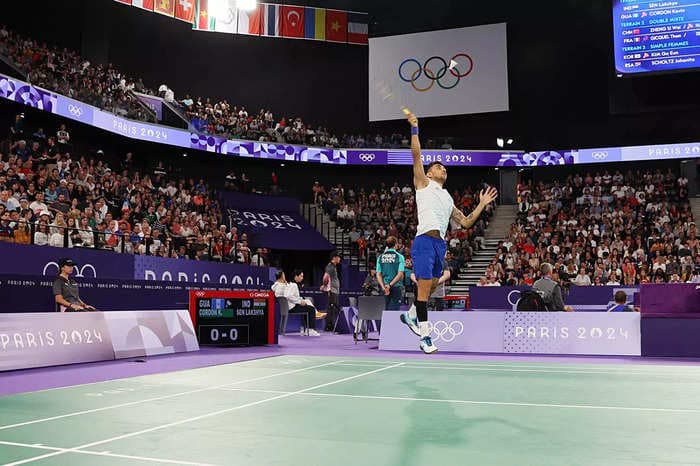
(435, 208)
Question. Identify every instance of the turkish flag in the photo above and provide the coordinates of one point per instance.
(291, 21)
(184, 10)
(336, 26)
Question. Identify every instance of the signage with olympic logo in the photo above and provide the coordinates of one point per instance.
(435, 70)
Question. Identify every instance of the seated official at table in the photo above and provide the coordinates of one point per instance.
(550, 290)
(299, 305)
(621, 303)
(65, 289)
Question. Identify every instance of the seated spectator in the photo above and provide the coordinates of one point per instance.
(300, 305)
(620, 303)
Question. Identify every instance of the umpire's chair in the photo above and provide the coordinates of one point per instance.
(368, 308)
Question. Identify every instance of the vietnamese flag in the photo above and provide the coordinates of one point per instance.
(291, 21)
(336, 26)
(184, 10)
(165, 7)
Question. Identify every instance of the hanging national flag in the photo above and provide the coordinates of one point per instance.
(291, 21)
(128, 2)
(225, 16)
(251, 22)
(336, 26)
(315, 23)
(205, 21)
(144, 4)
(358, 28)
(165, 7)
(272, 25)
(184, 10)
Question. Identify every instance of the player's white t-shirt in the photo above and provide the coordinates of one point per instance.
(435, 207)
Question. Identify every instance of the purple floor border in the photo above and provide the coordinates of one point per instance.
(326, 345)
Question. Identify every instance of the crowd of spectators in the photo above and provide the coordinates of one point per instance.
(104, 86)
(65, 72)
(50, 197)
(601, 229)
(370, 215)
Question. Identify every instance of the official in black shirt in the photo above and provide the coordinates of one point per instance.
(65, 289)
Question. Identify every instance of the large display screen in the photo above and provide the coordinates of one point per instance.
(658, 36)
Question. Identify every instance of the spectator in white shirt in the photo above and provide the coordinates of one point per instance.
(298, 305)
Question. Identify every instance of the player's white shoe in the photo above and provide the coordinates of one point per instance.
(426, 344)
(411, 323)
(313, 333)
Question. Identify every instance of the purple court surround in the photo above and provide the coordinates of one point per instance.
(327, 345)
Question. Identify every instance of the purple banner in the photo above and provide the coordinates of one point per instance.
(273, 222)
(459, 332)
(153, 102)
(41, 99)
(448, 157)
(39, 340)
(581, 298)
(38, 261)
(615, 333)
(367, 157)
(521, 332)
(51, 339)
(19, 259)
(670, 298)
(177, 270)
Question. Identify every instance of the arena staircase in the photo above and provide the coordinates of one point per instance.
(695, 208)
(469, 275)
(338, 237)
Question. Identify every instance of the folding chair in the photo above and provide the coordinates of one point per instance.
(368, 308)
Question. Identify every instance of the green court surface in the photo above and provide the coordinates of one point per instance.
(291, 410)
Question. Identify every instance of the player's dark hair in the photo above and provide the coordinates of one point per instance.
(620, 297)
(279, 274)
(298, 272)
(431, 165)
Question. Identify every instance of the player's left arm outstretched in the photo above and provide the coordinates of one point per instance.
(486, 197)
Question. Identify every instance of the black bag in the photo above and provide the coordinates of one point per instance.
(531, 301)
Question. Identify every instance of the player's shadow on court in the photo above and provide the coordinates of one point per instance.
(437, 423)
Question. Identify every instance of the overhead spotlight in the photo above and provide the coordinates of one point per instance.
(184, 154)
(246, 5)
(502, 142)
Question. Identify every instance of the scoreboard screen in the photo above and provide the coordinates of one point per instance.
(656, 36)
(233, 318)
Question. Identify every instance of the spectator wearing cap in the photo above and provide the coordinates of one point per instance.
(65, 289)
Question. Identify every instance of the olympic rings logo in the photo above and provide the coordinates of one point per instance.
(75, 110)
(444, 331)
(600, 155)
(367, 157)
(411, 71)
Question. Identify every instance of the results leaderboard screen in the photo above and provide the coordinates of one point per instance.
(233, 318)
(656, 36)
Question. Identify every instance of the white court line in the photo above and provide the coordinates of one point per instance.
(164, 397)
(203, 416)
(653, 368)
(474, 368)
(471, 402)
(96, 453)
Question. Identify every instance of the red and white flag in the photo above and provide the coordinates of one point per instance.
(184, 10)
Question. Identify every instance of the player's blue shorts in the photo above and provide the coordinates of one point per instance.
(428, 256)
